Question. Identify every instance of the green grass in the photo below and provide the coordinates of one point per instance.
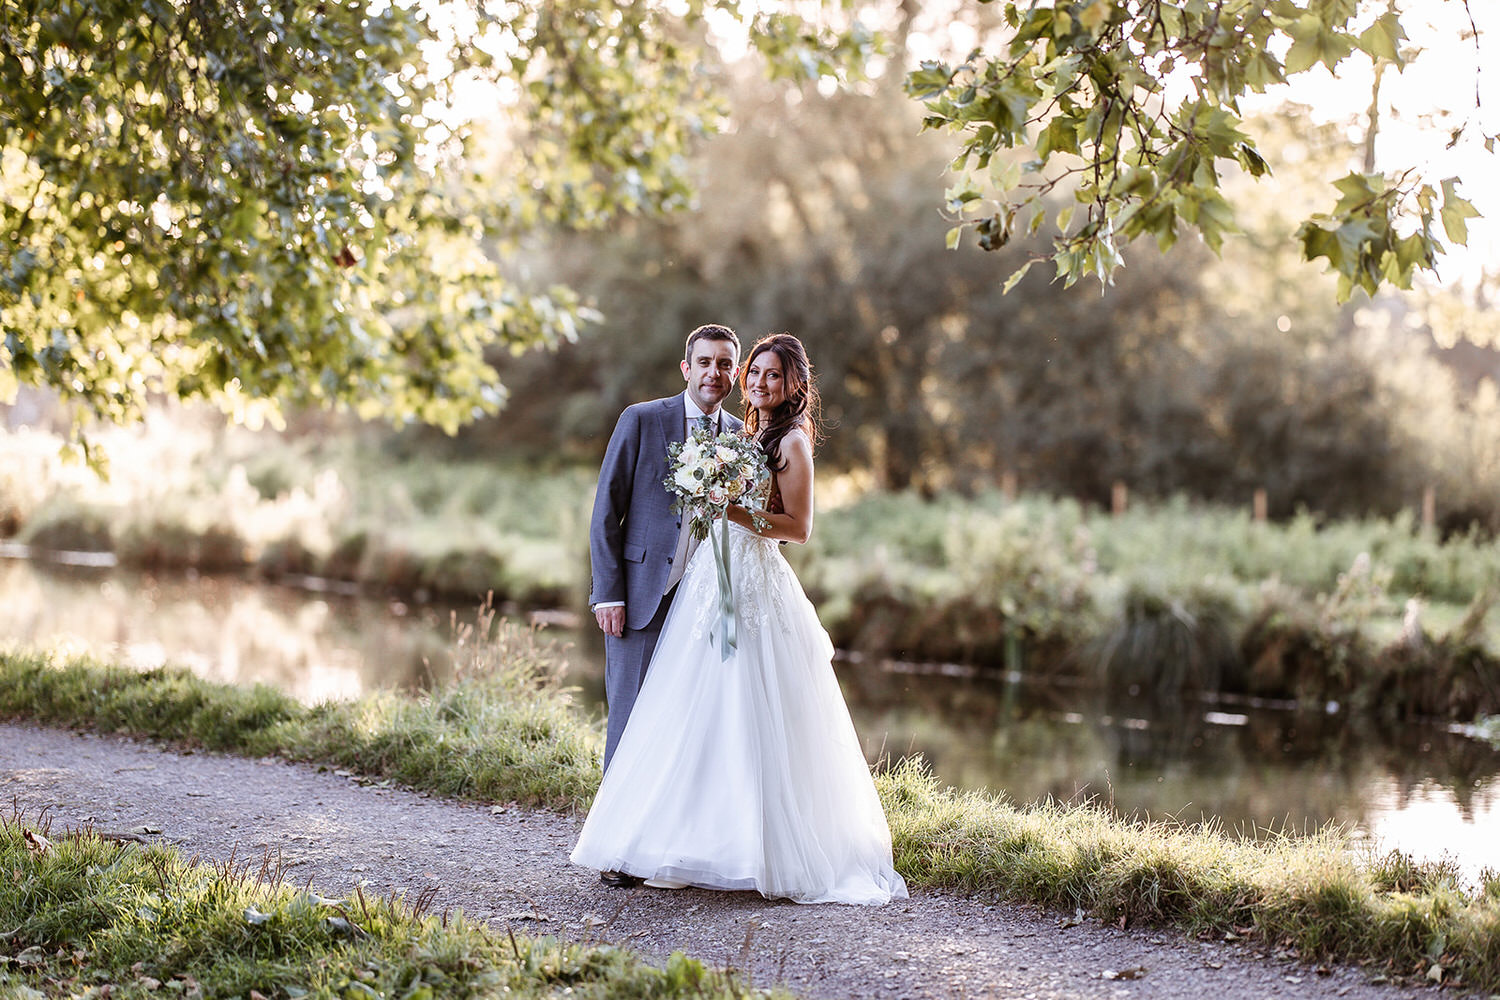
(88, 917)
(505, 730)
(1307, 892)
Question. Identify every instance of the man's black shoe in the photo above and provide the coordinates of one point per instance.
(619, 880)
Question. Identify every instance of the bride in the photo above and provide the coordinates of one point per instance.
(746, 773)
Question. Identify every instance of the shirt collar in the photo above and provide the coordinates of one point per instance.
(693, 412)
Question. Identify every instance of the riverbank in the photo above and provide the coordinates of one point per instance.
(505, 731)
(1379, 616)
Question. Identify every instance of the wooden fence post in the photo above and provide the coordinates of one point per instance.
(1008, 484)
(1258, 505)
(1118, 496)
(1429, 507)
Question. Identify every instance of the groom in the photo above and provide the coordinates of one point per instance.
(637, 547)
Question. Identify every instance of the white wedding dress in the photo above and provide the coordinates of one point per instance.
(743, 773)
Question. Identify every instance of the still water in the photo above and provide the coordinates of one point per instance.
(1421, 789)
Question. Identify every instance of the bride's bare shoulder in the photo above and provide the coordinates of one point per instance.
(797, 443)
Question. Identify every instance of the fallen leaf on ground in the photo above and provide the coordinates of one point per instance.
(1063, 923)
(35, 842)
(145, 830)
(1135, 973)
(527, 916)
(1435, 973)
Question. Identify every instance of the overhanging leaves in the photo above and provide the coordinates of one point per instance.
(1084, 85)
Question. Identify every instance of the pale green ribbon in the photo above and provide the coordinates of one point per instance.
(726, 594)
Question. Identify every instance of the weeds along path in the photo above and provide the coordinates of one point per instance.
(510, 866)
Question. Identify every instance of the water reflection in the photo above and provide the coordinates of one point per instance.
(1419, 788)
(315, 646)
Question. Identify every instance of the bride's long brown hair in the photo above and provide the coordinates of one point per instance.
(799, 408)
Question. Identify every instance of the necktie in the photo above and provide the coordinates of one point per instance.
(706, 424)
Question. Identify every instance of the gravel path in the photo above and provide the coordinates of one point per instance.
(510, 865)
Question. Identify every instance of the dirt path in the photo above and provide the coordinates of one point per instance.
(510, 865)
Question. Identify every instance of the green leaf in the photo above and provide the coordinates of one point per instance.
(1382, 40)
(1252, 161)
(1304, 53)
(1358, 190)
(1094, 15)
(1005, 173)
(1455, 213)
(1060, 136)
(960, 194)
(1016, 276)
(928, 81)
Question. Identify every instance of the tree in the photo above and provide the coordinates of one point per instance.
(269, 203)
(1132, 107)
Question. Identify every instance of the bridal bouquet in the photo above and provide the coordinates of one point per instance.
(707, 474)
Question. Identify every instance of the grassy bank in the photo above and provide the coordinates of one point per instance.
(89, 917)
(517, 737)
(219, 499)
(1310, 894)
(503, 730)
(1378, 615)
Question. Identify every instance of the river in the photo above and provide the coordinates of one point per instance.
(1422, 789)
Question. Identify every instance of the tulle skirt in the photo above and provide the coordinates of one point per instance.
(743, 773)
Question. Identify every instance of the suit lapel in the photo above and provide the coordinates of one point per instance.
(672, 418)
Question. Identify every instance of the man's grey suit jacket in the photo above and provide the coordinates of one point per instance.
(633, 532)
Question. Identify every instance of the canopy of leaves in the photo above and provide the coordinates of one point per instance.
(266, 203)
(1132, 108)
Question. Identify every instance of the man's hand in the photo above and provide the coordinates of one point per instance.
(611, 620)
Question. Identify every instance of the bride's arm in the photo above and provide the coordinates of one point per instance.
(796, 485)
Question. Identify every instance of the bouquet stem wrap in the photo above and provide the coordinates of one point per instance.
(727, 630)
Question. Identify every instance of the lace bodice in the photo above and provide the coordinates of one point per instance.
(761, 579)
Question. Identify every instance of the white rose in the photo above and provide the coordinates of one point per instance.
(685, 479)
(718, 496)
(725, 453)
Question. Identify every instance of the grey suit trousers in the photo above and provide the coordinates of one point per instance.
(627, 657)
